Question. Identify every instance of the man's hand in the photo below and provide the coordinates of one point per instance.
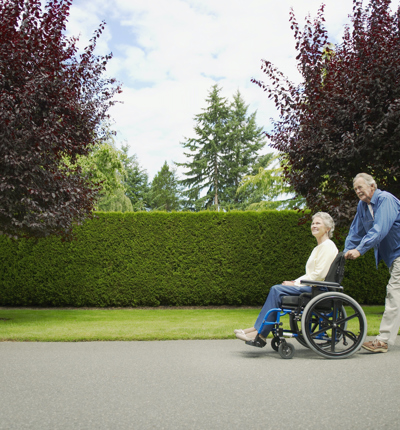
(352, 254)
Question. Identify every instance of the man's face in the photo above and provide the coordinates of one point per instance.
(363, 190)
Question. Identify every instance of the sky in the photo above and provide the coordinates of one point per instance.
(167, 54)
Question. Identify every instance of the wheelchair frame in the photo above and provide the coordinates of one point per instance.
(323, 315)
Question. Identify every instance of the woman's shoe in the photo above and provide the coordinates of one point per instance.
(259, 341)
(242, 336)
(239, 331)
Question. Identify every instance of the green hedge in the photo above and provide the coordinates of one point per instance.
(175, 259)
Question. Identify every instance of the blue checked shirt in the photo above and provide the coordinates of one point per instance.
(381, 232)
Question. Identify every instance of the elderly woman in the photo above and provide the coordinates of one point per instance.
(317, 268)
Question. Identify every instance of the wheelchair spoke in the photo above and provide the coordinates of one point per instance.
(333, 343)
(350, 317)
(322, 316)
(334, 323)
(323, 330)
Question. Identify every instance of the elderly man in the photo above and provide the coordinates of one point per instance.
(377, 225)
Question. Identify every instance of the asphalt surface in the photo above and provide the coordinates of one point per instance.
(216, 384)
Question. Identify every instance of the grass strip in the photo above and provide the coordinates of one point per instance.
(74, 325)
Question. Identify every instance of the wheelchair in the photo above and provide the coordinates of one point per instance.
(327, 321)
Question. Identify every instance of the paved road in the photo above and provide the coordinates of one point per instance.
(221, 384)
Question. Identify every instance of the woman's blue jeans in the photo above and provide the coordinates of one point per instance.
(274, 300)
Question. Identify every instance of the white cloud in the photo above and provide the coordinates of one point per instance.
(168, 54)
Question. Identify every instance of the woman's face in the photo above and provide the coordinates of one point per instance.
(318, 228)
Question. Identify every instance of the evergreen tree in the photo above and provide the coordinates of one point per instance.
(165, 190)
(224, 151)
(136, 180)
(207, 151)
(245, 139)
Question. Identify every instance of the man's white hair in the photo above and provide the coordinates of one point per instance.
(369, 180)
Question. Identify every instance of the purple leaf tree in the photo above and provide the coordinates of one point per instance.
(52, 105)
(344, 117)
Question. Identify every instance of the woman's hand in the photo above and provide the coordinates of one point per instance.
(291, 283)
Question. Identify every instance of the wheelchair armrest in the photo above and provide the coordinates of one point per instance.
(333, 285)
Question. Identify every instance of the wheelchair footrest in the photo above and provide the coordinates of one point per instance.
(257, 342)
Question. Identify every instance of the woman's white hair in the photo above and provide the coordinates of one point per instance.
(369, 180)
(327, 220)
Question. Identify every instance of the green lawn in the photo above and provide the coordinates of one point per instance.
(71, 325)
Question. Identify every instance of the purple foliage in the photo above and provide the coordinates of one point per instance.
(345, 116)
(52, 104)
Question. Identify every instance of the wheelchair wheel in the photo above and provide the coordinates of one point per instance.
(286, 350)
(275, 342)
(329, 329)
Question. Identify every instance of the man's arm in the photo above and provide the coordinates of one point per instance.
(356, 232)
(385, 214)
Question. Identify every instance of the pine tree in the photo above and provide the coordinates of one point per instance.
(165, 190)
(224, 151)
(136, 180)
(245, 139)
(207, 152)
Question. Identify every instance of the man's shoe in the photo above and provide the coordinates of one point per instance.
(375, 346)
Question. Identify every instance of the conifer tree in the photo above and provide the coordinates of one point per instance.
(245, 139)
(165, 190)
(224, 151)
(136, 180)
(206, 169)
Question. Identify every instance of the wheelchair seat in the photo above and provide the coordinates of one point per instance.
(332, 281)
